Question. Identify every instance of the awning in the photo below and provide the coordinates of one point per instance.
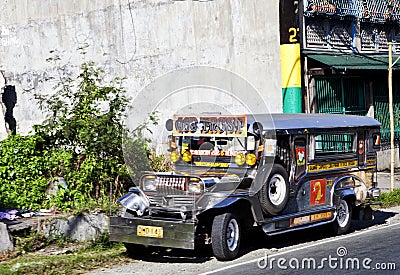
(354, 61)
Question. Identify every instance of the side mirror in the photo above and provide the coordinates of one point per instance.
(251, 143)
(169, 124)
(257, 128)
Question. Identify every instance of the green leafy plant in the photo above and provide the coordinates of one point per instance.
(390, 199)
(85, 122)
(23, 171)
(80, 141)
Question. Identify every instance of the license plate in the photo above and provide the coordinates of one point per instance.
(150, 231)
(321, 216)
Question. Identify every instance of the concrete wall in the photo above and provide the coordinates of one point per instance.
(139, 39)
(384, 159)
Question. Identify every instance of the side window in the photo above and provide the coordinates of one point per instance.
(283, 151)
(335, 143)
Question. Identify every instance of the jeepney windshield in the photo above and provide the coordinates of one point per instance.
(220, 146)
(206, 152)
(211, 141)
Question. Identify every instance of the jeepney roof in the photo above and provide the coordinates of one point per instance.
(311, 121)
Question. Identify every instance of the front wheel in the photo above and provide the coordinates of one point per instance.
(343, 219)
(225, 236)
(275, 192)
(134, 250)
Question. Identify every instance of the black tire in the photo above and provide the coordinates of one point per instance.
(135, 250)
(342, 222)
(226, 236)
(274, 194)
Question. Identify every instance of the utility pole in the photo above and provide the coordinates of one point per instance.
(390, 83)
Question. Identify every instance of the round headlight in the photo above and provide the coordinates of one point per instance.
(187, 156)
(194, 187)
(239, 159)
(149, 184)
(251, 159)
(174, 157)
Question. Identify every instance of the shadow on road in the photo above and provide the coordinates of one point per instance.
(380, 217)
(167, 255)
(259, 240)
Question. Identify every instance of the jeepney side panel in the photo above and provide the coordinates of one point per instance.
(314, 187)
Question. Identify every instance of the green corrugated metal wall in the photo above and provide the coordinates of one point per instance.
(381, 103)
(347, 95)
(338, 95)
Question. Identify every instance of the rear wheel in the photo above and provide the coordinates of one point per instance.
(343, 219)
(226, 236)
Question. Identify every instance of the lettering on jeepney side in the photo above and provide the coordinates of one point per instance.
(215, 153)
(331, 165)
(210, 125)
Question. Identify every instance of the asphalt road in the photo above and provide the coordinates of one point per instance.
(375, 251)
(374, 242)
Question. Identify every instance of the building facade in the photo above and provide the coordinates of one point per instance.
(344, 51)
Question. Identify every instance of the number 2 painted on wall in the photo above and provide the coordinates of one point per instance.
(293, 35)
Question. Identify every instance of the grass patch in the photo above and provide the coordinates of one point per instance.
(390, 199)
(88, 258)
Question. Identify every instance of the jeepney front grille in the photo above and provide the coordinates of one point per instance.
(164, 184)
(172, 201)
(169, 190)
(171, 185)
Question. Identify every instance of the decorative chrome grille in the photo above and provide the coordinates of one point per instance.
(171, 184)
(170, 191)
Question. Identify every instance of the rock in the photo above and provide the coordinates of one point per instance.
(83, 227)
(53, 186)
(6, 244)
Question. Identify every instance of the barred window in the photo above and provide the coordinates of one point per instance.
(334, 144)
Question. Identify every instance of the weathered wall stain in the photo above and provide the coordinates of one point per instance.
(9, 99)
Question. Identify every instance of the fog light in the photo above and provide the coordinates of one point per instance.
(251, 159)
(187, 156)
(174, 156)
(240, 159)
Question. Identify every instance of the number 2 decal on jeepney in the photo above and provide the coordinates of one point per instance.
(317, 192)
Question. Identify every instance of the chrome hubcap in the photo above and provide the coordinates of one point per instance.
(343, 214)
(232, 235)
(277, 189)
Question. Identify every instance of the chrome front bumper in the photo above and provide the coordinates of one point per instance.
(176, 234)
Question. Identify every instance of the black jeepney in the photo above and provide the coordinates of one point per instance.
(281, 172)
